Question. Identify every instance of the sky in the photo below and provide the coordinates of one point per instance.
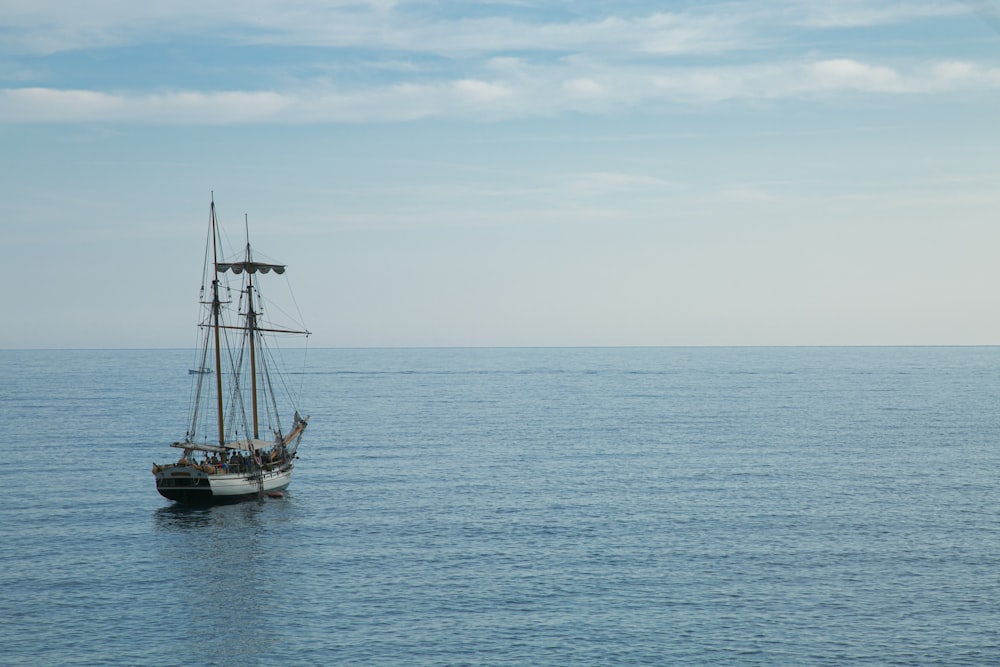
(510, 173)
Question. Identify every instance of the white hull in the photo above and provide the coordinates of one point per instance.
(239, 485)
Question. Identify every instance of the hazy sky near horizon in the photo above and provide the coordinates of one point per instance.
(765, 172)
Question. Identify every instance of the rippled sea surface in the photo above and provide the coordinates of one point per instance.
(743, 506)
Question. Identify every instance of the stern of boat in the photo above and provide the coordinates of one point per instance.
(183, 483)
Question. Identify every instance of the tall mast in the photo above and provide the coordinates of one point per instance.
(216, 308)
(251, 333)
(251, 327)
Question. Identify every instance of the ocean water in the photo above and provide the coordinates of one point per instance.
(723, 506)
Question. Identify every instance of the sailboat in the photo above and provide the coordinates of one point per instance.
(237, 447)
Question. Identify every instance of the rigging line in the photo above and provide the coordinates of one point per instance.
(295, 302)
(197, 386)
(276, 354)
(274, 416)
(292, 395)
(273, 351)
(276, 325)
(201, 338)
(205, 263)
(268, 355)
(266, 304)
(237, 406)
(302, 375)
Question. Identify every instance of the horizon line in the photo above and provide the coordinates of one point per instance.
(522, 347)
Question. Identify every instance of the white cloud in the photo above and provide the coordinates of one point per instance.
(839, 76)
(845, 74)
(867, 13)
(957, 75)
(50, 26)
(584, 87)
(480, 92)
(408, 63)
(47, 105)
(521, 92)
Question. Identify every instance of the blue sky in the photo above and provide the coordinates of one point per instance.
(508, 173)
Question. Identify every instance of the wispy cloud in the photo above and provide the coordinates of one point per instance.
(865, 13)
(528, 91)
(49, 26)
(600, 184)
(54, 26)
(385, 60)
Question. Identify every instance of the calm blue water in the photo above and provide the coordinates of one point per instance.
(795, 506)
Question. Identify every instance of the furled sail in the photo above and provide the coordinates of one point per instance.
(249, 267)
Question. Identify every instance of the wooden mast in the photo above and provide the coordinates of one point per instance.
(252, 333)
(216, 308)
(250, 328)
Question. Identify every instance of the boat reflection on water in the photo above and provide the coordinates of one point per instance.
(225, 567)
